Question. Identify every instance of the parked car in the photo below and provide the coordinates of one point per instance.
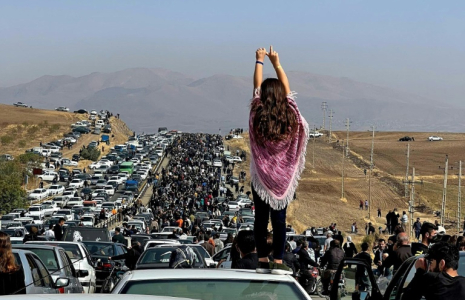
(406, 139)
(100, 252)
(238, 284)
(48, 175)
(80, 111)
(78, 183)
(81, 129)
(68, 162)
(81, 260)
(55, 189)
(38, 194)
(75, 157)
(434, 138)
(20, 104)
(62, 108)
(36, 276)
(58, 264)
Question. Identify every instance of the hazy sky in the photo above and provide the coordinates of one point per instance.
(415, 46)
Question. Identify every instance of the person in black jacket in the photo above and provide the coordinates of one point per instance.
(130, 257)
(58, 229)
(362, 281)
(290, 259)
(439, 279)
(306, 279)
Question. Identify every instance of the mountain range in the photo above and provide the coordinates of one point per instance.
(150, 98)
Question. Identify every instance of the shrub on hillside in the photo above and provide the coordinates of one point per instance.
(90, 154)
(54, 128)
(32, 130)
(22, 143)
(6, 139)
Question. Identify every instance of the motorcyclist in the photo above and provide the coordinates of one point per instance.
(306, 279)
(331, 259)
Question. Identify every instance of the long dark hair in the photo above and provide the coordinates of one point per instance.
(7, 259)
(274, 119)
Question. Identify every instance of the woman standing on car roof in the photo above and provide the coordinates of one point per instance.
(11, 275)
(278, 139)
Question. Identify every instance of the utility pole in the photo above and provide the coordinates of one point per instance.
(371, 171)
(347, 144)
(412, 201)
(444, 191)
(313, 163)
(324, 106)
(459, 199)
(406, 173)
(343, 156)
(330, 123)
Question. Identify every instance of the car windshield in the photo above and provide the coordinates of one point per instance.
(5, 218)
(34, 208)
(209, 289)
(37, 191)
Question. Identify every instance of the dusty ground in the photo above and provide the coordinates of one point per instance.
(28, 127)
(319, 195)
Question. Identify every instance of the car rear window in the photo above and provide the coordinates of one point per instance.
(48, 257)
(209, 289)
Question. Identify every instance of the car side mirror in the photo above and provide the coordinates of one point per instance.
(83, 273)
(61, 282)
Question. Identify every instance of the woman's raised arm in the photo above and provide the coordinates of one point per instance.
(258, 73)
(274, 58)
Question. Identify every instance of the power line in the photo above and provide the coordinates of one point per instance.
(330, 124)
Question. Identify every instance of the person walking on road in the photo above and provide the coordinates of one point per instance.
(278, 141)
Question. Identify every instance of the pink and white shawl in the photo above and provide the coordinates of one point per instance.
(276, 167)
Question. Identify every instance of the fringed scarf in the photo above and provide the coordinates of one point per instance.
(276, 167)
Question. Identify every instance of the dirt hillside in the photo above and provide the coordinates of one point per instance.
(319, 195)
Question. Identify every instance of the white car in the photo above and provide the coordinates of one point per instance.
(434, 138)
(142, 174)
(95, 165)
(217, 163)
(38, 194)
(65, 212)
(88, 220)
(79, 183)
(62, 108)
(109, 189)
(106, 162)
(48, 176)
(69, 163)
(68, 193)
(233, 206)
(70, 139)
(243, 202)
(36, 210)
(74, 201)
(55, 189)
(117, 178)
(315, 134)
(97, 191)
(123, 176)
(233, 159)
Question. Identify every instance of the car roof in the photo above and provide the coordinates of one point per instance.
(90, 297)
(35, 246)
(213, 274)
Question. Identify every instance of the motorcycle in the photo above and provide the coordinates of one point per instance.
(309, 280)
(115, 275)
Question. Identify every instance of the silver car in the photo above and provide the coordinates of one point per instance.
(36, 276)
(58, 264)
(81, 259)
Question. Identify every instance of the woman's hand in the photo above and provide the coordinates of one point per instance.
(273, 56)
(260, 54)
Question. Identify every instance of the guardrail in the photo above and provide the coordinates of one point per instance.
(115, 219)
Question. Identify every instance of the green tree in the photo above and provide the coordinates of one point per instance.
(12, 195)
(90, 154)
